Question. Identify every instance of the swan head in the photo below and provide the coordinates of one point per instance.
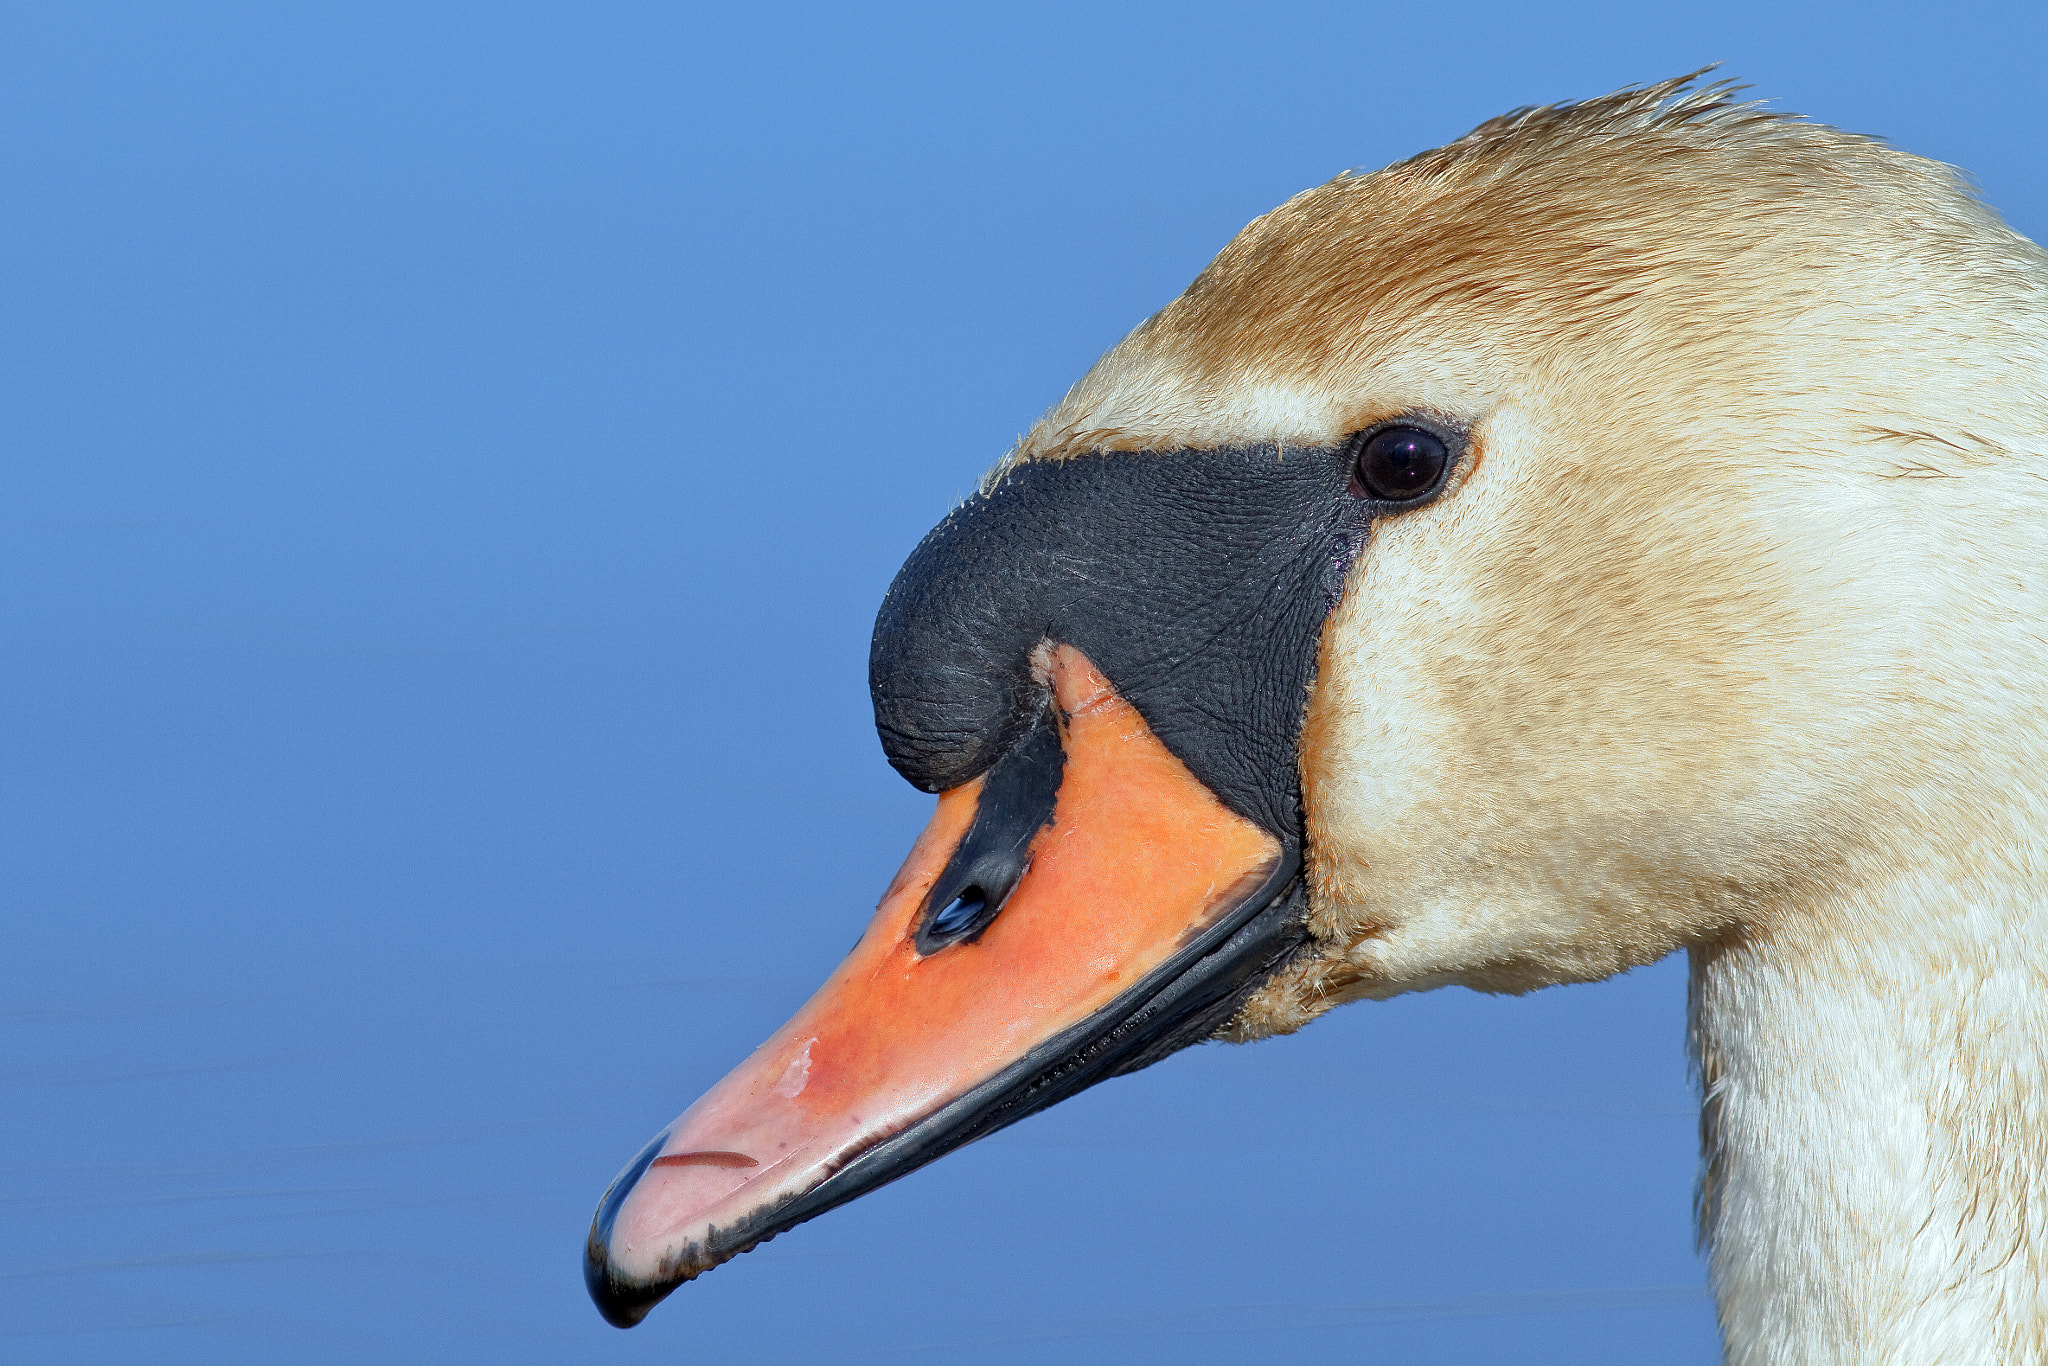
(1590, 538)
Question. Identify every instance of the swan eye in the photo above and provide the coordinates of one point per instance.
(1400, 464)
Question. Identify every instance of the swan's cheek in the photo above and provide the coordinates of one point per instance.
(1540, 746)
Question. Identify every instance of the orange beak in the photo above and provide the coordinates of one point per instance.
(1133, 921)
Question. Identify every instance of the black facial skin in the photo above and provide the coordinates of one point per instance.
(1198, 584)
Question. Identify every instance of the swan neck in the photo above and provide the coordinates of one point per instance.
(1875, 1186)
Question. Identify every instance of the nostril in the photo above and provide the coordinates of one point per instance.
(959, 913)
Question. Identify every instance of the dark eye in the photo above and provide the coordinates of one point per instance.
(1401, 463)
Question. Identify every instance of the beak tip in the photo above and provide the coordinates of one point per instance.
(622, 1303)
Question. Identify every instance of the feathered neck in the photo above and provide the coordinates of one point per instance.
(1876, 1179)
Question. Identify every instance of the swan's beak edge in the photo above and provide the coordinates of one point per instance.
(1145, 912)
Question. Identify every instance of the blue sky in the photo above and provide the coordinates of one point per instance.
(453, 455)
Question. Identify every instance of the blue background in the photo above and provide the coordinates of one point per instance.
(453, 454)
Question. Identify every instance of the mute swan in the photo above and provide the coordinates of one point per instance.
(1617, 531)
